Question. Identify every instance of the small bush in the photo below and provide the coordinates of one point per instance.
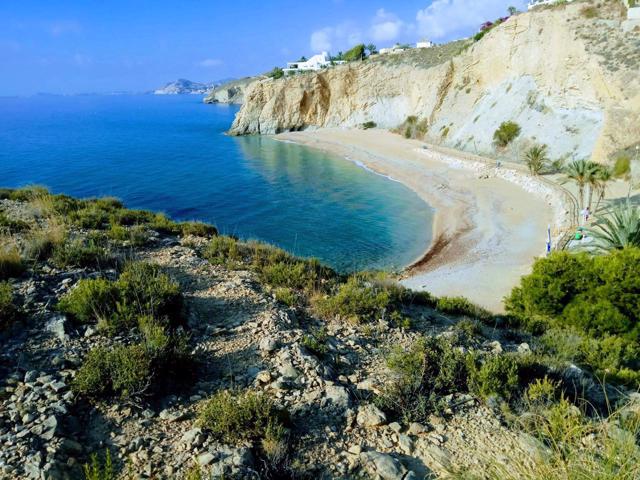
(369, 125)
(286, 296)
(11, 264)
(222, 250)
(8, 310)
(506, 133)
(198, 229)
(276, 73)
(355, 301)
(145, 369)
(100, 470)
(462, 306)
(496, 375)
(236, 417)
(136, 235)
(81, 252)
(316, 342)
(420, 376)
(142, 290)
(91, 300)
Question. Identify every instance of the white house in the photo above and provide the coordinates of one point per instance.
(424, 44)
(538, 3)
(317, 62)
(397, 48)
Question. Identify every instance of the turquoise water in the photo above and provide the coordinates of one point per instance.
(170, 154)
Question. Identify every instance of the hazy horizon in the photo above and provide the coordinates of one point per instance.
(74, 47)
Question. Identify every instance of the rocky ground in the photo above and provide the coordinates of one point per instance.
(241, 337)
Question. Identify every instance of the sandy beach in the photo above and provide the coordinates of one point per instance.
(490, 222)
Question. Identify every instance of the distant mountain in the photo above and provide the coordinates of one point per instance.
(182, 86)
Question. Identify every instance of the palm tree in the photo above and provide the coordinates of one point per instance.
(580, 171)
(604, 176)
(618, 229)
(536, 159)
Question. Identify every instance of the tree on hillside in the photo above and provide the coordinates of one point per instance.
(372, 49)
(512, 10)
(302, 59)
(580, 171)
(604, 176)
(618, 228)
(356, 53)
(536, 159)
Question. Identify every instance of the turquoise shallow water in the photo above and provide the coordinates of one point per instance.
(170, 154)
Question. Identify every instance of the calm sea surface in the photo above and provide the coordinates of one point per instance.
(169, 153)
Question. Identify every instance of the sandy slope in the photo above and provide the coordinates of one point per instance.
(489, 225)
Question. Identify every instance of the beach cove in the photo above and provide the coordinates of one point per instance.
(489, 223)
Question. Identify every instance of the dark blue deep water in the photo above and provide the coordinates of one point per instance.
(170, 154)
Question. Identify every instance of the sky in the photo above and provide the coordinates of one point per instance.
(97, 46)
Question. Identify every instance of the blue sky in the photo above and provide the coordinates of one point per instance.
(60, 46)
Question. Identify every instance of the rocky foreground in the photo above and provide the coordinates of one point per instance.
(330, 373)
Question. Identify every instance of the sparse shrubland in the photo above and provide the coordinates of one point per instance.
(142, 289)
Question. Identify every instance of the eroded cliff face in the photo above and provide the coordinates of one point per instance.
(569, 81)
(230, 92)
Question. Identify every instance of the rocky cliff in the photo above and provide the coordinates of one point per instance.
(230, 92)
(183, 86)
(568, 79)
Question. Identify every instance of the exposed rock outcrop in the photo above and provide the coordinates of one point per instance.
(582, 99)
(230, 92)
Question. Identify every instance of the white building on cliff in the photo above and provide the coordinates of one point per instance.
(317, 62)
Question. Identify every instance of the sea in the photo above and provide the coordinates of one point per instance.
(171, 154)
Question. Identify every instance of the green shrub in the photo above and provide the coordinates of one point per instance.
(199, 229)
(286, 296)
(8, 310)
(145, 369)
(355, 53)
(496, 375)
(369, 125)
(81, 252)
(91, 300)
(222, 250)
(91, 217)
(163, 224)
(355, 300)
(420, 376)
(236, 417)
(506, 133)
(11, 264)
(145, 290)
(316, 342)
(462, 306)
(276, 73)
(554, 282)
(142, 290)
(285, 274)
(100, 470)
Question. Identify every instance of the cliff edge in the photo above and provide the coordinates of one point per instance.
(568, 79)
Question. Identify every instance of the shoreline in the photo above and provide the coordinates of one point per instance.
(488, 224)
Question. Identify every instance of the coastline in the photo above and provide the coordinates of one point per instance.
(489, 223)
